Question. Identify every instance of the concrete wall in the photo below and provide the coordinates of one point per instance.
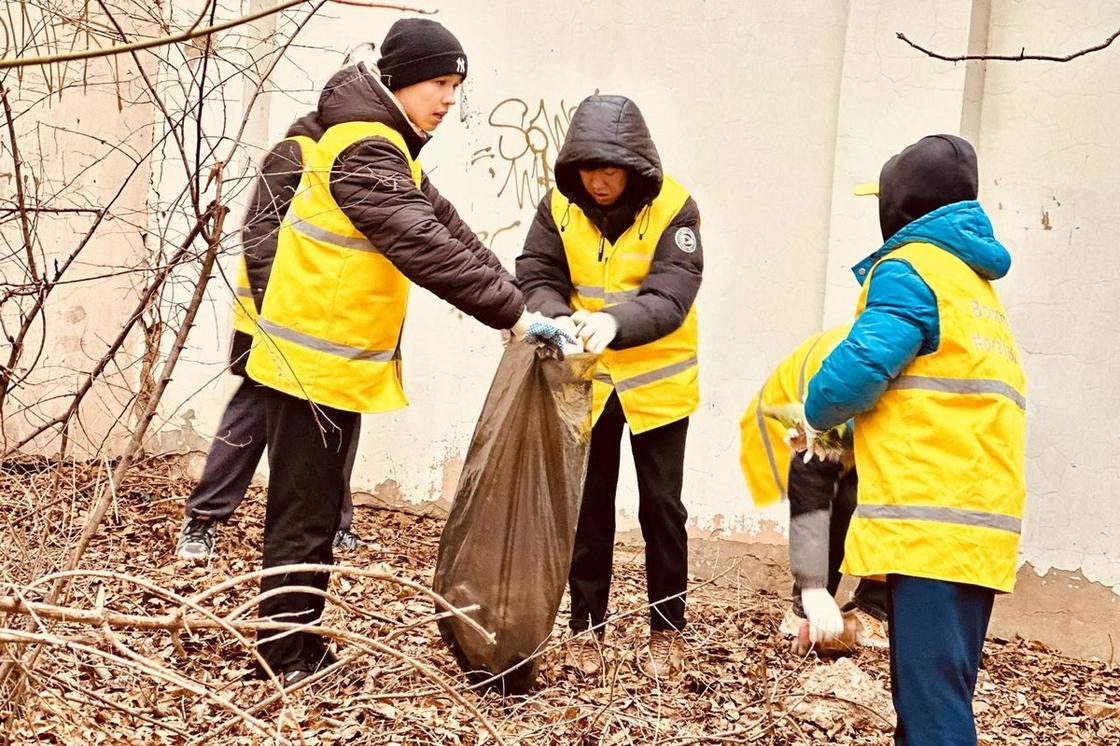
(720, 116)
(1049, 154)
(1048, 182)
(71, 167)
(769, 113)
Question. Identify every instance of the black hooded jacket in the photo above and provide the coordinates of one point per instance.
(610, 131)
(273, 190)
(416, 229)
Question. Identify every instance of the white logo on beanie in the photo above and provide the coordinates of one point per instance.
(686, 240)
(460, 65)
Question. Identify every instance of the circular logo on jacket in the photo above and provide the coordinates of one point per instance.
(686, 240)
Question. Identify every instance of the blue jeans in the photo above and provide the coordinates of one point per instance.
(937, 631)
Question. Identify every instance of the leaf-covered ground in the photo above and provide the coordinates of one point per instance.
(108, 684)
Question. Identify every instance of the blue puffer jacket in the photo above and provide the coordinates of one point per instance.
(900, 319)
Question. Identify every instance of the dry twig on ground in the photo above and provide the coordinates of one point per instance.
(742, 686)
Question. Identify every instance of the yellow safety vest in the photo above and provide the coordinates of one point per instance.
(656, 382)
(763, 453)
(940, 455)
(244, 309)
(334, 309)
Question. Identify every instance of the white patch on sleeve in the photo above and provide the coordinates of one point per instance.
(686, 240)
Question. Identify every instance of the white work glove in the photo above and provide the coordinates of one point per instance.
(802, 438)
(521, 328)
(597, 330)
(825, 620)
(566, 325)
(811, 447)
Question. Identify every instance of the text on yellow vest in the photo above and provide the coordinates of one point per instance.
(940, 455)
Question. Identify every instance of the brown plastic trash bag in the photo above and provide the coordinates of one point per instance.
(507, 544)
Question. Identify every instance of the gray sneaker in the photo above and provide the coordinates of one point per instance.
(346, 540)
(196, 540)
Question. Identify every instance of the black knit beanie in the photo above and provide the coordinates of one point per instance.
(418, 49)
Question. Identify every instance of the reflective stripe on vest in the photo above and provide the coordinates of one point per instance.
(356, 243)
(597, 292)
(770, 460)
(657, 382)
(959, 386)
(314, 343)
(802, 370)
(764, 456)
(941, 454)
(642, 379)
(941, 515)
(244, 307)
(335, 305)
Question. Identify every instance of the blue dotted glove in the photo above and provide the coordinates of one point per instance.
(547, 333)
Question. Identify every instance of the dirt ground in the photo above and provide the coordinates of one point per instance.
(397, 684)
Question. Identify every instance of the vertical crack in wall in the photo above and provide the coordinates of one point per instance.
(821, 309)
(972, 103)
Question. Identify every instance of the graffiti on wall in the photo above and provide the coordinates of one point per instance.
(527, 139)
(490, 238)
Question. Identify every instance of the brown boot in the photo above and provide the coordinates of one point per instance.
(584, 653)
(872, 632)
(664, 656)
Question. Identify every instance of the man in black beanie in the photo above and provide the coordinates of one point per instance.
(364, 224)
(418, 49)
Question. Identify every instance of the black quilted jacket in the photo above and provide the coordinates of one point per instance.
(416, 229)
(610, 131)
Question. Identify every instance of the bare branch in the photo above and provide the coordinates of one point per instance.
(1021, 57)
(21, 200)
(217, 214)
(192, 33)
(145, 300)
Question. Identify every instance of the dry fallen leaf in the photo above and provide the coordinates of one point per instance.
(1100, 710)
(738, 679)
